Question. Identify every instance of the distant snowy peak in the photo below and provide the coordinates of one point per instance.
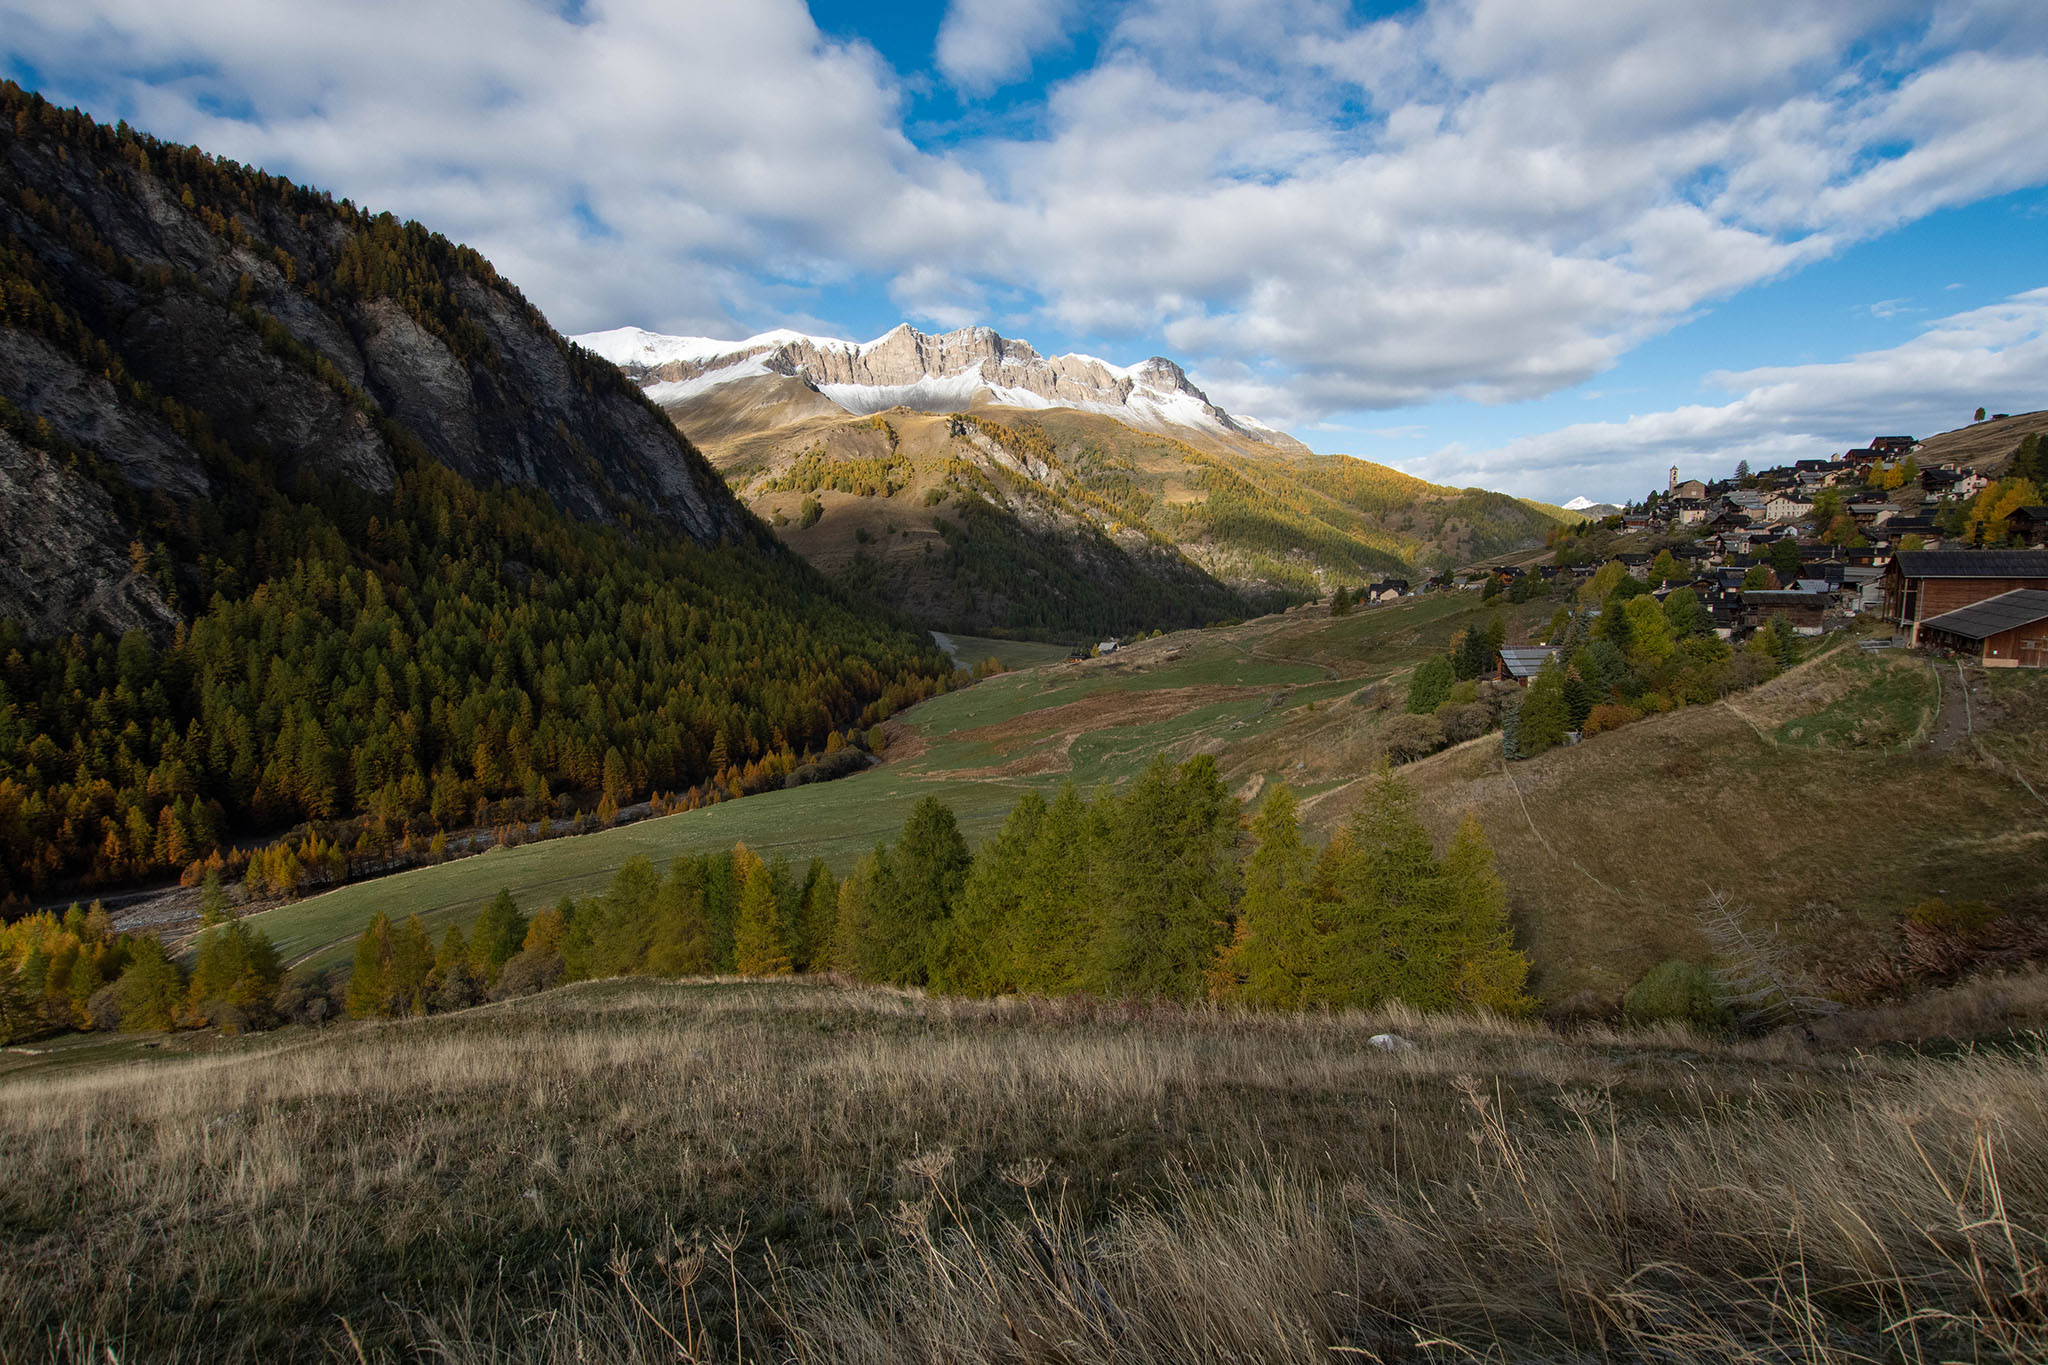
(945, 373)
(1580, 504)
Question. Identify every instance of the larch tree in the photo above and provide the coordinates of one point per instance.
(1273, 957)
(918, 885)
(1056, 924)
(972, 952)
(1165, 873)
(758, 947)
(1487, 970)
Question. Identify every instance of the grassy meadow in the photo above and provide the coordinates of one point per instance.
(1814, 801)
(725, 1171)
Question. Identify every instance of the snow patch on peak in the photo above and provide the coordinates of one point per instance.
(1579, 504)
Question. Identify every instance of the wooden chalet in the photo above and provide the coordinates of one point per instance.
(1805, 612)
(2029, 524)
(1387, 590)
(1889, 446)
(1922, 584)
(2006, 631)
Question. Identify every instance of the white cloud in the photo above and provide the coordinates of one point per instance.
(1995, 357)
(986, 43)
(1492, 199)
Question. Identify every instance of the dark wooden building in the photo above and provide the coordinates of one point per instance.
(1921, 584)
(2030, 524)
(2006, 631)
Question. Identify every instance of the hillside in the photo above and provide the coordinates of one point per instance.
(1607, 848)
(311, 515)
(1073, 524)
(1987, 446)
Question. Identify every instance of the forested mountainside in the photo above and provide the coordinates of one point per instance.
(1065, 523)
(310, 515)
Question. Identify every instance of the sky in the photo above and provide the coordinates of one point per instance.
(1542, 246)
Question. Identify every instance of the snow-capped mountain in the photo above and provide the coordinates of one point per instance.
(1590, 508)
(947, 373)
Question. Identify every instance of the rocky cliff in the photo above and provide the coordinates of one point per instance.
(173, 326)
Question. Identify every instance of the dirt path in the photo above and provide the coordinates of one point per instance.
(1955, 718)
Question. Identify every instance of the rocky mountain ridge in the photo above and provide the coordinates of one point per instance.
(948, 372)
(171, 325)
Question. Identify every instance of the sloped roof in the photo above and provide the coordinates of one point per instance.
(1981, 620)
(1526, 661)
(1972, 563)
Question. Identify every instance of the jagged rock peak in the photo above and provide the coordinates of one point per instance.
(944, 372)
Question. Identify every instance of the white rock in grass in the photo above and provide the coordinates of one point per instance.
(1391, 1042)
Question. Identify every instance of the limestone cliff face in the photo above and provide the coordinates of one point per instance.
(312, 341)
(950, 372)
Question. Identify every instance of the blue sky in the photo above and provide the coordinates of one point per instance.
(1536, 245)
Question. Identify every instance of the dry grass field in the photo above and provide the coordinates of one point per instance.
(718, 1171)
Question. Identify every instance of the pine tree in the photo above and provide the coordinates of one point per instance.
(1054, 931)
(151, 988)
(817, 911)
(758, 948)
(972, 956)
(680, 944)
(214, 905)
(1380, 877)
(1430, 685)
(1340, 605)
(1488, 972)
(1545, 715)
(915, 892)
(1273, 957)
(851, 950)
(411, 960)
(368, 980)
(500, 930)
(1164, 874)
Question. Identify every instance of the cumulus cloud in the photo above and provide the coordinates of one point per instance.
(1993, 357)
(986, 43)
(1488, 199)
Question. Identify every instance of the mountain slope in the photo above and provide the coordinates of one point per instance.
(956, 372)
(311, 516)
(1058, 502)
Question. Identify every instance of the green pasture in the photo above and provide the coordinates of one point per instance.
(838, 821)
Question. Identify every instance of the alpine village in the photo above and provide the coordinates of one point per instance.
(628, 848)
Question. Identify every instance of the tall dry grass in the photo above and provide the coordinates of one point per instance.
(637, 1171)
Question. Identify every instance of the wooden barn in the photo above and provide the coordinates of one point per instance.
(2006, 631)
(1921, 584)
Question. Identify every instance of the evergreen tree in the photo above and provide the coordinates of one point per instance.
(451, 984)
(1380, 880)
(679, 943)
(817, 911)
(758, 948)
(915, 892)
(1488, 972)
(1430, 685)
(1340, 605)
(236, 966)
(973, 954)
(851, 941)
(1665, 569)
(411, 963)
(500, 930)
(1164, 875)
(151, 989)
(214, 906)
(368, 995)
(1687, 615)
(1545, 713)
(1273, 958)
(1055, 929)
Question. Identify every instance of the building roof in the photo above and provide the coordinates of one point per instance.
(1526, 661)
(1981, 620)
(1972, 563)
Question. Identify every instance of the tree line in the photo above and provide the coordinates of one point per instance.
(1156, 891)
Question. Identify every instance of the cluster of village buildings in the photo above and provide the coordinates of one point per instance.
(1990, 605)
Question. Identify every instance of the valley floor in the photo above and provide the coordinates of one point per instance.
(639, 1171)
